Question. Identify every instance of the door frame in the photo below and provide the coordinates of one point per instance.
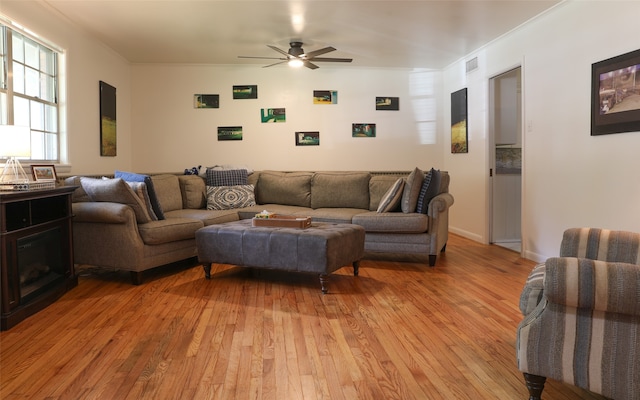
(491, 149)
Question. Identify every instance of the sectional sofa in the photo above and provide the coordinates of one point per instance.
(134, 226)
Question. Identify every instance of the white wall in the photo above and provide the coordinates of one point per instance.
(570, 179)
(87, 62)
(171, 135)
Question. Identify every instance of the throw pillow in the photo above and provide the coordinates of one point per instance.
(227, 177)
(78, 195)
(391, 199)
(153, 197)
(115, 191)
(140, 189)
(429, 190)
(412, 190)
(229, 197)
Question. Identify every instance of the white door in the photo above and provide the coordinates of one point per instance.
(505, 144)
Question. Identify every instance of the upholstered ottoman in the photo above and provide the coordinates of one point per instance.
(322, 248)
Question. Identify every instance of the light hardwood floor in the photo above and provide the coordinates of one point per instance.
(400, 330)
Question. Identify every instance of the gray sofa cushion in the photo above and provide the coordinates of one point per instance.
(340, 189)
(287, 188)
(208, 217)
(193, 191)
(168, 191)
(378, 186)
(169, 230)
(412, 191)
(394, 222)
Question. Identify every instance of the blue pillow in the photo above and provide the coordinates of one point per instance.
(133, 177)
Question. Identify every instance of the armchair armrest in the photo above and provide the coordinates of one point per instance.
(601, 244)
(612, 287)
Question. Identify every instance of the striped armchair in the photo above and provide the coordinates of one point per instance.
(582, 316)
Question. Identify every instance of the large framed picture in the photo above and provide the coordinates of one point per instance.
(108, 132)
(615, 94)
(459, 135)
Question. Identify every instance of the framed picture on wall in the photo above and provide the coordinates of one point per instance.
(325, 97)
(307, 138)
(229, 133)
(459, 136)
(615, 94)
(245, 92)
(388, 103)
(108, 133)
(363, 130)
(206, 101)
(273, 115)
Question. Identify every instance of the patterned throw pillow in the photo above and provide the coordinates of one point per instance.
(226, 177)
(391, 199)
(429, 190)
(229, 197)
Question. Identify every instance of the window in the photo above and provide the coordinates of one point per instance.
(29, 91)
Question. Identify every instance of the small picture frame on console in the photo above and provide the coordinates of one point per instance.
(44, 173)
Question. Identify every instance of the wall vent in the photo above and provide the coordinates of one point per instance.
(472, 64)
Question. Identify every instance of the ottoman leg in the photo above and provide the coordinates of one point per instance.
(356, 267)
(323, 282)
(207, 270)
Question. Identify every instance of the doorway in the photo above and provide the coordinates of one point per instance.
(506, 147)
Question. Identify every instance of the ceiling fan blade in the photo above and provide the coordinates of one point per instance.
(284, 53)
(310, 65)
(314, 53)
(326, 59)
(264, 58)
(271, 65)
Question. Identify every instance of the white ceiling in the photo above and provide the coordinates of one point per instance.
(413, 34)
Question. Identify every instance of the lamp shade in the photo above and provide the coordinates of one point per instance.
(15, 141)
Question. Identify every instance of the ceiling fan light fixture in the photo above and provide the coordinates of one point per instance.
(296, 63)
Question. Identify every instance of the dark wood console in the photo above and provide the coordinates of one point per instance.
(36, 251)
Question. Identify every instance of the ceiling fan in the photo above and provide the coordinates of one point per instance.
(296, 57)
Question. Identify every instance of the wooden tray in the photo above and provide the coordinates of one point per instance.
(283, 221)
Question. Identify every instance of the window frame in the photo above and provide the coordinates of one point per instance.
(46, 135)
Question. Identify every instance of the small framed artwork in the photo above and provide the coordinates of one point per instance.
(229, 133)
(44, 173)
(325, 97)
(615, 94)
(108, 132)
(273, 115)
(307, 138)
(459, 136)
(206, 101)
(245, 92)
(388, 103)
(363, 130)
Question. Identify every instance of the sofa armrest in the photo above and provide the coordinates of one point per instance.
(592, 284)
(438, 213)
(439, 204)
(103, 212)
